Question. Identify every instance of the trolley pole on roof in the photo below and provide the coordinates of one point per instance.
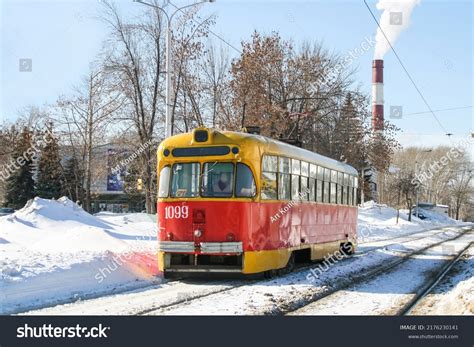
(168, 59)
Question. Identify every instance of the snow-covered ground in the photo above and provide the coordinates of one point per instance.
(388, 293)
(377, 221)
(454, 295)
(53, 252)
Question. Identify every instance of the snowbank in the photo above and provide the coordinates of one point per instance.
(53, 251)
(378, 221)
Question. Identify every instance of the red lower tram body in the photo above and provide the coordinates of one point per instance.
(249, 237)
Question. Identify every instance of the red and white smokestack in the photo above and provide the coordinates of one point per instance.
(377, 95)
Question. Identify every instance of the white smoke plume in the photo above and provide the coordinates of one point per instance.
(395, 18)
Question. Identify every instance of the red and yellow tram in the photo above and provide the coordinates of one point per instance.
(239, 202)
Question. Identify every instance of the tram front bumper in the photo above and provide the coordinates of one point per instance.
(182, 256)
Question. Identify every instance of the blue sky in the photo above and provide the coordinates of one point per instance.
(63, 37)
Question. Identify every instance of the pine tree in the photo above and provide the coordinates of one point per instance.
(20, 185)
(72, 180)
(48, 183)
(350, 140)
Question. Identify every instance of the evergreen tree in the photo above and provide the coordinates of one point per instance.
(350, 137)
(48, 182)
(20, 185)
(72, 180)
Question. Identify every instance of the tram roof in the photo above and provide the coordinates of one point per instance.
(267, 144)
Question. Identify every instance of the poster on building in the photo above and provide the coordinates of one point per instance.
(115, 173)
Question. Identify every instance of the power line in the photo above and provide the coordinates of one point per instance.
(439, 110)
(406, 71)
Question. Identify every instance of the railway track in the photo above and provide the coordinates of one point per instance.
(342, 284)
(430, 285)
(193, 292)
(354, 281)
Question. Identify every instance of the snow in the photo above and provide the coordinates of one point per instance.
(386, 294)
(378, 221)
(53, 251)
(454, 295)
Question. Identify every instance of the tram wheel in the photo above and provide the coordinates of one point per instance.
(270, 274)
(347, 249)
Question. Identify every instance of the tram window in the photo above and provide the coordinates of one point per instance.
(349, 193)
(284, 166)
(326, 192)
(304, 188)
(295, 167)
(270, 163)
(327, 175)
(313, 171)
(320, 173)
(339, 194)
(269, 186)
(354, 196)
(164, 185)
(340, 178)
(333, 193)
(295, 186)
(217, 180)
(269, 177)
(244, 182)
(334, 176)
(284, 187)
(185, 180)
(356, 182)
(346, 179)
(344, 195)
(312, 189)
(319, 191)
(304, 169)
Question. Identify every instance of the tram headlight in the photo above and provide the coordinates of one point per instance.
(230, 237)
(198, 232)
(169, 236)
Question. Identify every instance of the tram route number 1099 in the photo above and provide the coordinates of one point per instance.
(172, 212)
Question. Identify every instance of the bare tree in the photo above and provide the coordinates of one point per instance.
(84, 118)
(134, 60)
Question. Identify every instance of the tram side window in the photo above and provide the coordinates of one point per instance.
(304, 185)
(217, 180)
(295, 178)
(269, 177)
(185, 180)
(313, 173)
(244, 182)
(164, 185)
(333, 187)
(327, 179)
(284, 192)
(295, 187)
(333, 193)
(319, 191)
(340, 183)
(312, 189)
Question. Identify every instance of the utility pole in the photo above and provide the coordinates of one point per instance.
(168, 60)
